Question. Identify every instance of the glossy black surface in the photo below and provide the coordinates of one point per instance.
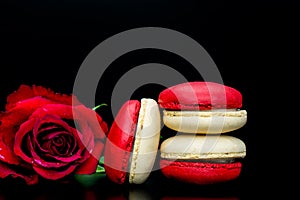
(156, 187)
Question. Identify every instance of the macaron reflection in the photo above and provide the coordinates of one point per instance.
(199, 198)
(140, 193)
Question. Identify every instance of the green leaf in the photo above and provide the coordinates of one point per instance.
(88, 180)
(101, 160)
(96, 107)
(100, 169)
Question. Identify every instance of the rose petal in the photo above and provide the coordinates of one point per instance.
(61, 160)
(54, 174)
(19, 138)
(61, 110)
(27, 92)
(90, 165)
(60, 139)
(58, 121)
(52, 119)
(7, 171)
(88, 138)
(82, 117)
(57, 97)
(55, 131)
(7, 154)
(34, 157)
(77, 113)
(10, 122)
(24, 92)
(97, 125)
(20, 113)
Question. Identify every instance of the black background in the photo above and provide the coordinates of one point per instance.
(253, 44)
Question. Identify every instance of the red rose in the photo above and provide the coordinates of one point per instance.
(49, 135)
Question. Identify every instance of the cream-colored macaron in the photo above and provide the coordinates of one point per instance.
(220, 148)
(205, 122)
(146, 141)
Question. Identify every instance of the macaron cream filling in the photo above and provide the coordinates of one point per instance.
(216, 161)
(205, 122)
(208, 113)
(212, 149)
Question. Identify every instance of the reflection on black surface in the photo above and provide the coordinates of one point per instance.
(140, 193)
(146, 194)
(156, 187)
(200, 198)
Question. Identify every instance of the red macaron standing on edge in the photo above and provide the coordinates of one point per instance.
(132, 142)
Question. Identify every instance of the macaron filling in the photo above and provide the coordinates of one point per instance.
(216, 161)
(207, 113)
(205, 122)
(201, 147)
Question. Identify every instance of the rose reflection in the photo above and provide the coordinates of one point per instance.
(90, 195)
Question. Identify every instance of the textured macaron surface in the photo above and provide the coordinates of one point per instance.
(200, 173)
(200, 95)
(120, 142)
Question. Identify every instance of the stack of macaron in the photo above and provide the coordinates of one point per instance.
(202, 113)
(202, 153)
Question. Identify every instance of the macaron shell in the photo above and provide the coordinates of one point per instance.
(205, 122)
(146, 141)
(195, 147)
(199, 95)
(120, 141)
(200, 173)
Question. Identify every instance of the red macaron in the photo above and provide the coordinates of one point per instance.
(202, 159)
(202, 107)
(132, 142)
(200, 95)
